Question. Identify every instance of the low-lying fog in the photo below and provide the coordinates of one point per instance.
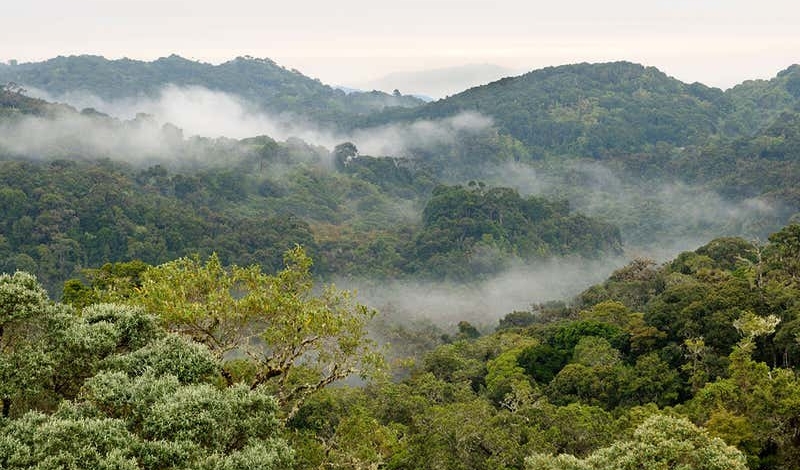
(658, 220)
(199, 111)
(483, 303)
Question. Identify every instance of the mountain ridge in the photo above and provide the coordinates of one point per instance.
(260, 81)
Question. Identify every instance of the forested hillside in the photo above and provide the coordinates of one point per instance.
(164, 297)
(260, 81)
(589, 109)
(604, 110)
(688, 363)
(61, 217)
(662, 159)
(758, 102)
(250, 200)
(362, 216)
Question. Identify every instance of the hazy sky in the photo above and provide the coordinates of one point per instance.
(350, 42)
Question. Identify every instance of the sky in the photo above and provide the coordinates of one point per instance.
(356, 42)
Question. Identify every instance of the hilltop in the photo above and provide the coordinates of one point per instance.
(261, 82)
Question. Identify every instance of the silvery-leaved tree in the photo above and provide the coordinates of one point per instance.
(660, 442)
(47, 350)
(24, 364)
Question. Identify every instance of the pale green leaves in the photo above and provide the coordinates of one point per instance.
(750, 326)
(21, 296)
(660, 443)
(296, 341)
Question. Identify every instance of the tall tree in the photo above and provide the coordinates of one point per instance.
(296, 341)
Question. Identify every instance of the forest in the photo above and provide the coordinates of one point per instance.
(172, 300)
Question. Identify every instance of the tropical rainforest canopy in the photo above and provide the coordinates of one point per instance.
(167, 301)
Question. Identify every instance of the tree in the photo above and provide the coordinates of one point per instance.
(47, 351)
(24, 364)
(150, 422)
(751, 326)
(296, 341)
(661, 442)
(343, 154)
(755, 408)
(784, 250)
(109, 389)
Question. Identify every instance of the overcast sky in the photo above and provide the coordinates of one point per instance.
(352, 42)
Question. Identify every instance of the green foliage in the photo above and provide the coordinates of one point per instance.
(174, 355)
(361, 222)
(633, 285)
(47, 352)
(754, 408)
(120, 393)
(337, 429)
(259, 81)
(506, 381)
(150, 423)
(220, 421)
(659, 442)
(466, 435)
(21, 297)
(712, 334)
(24, 365)
(299, 340)
(589, 109)
(128, 216)
(473, 231)
(758, 102)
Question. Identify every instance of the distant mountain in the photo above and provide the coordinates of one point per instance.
(588, 109)
(440, 82)
(261, 81)
(14, 103)
(679, 163)
(758, 102)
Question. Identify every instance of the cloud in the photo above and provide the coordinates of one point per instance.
(81, 136)
(199, 111)
(658, 217)
(399, 139)
(483, 303)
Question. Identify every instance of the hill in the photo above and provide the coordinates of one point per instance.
(758, 102)
(259, 81)
(607, 109)
(589, 109)
(67, 204)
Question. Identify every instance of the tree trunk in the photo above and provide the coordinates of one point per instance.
(6, 407)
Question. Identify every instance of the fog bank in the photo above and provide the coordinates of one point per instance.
(483, 303)
(198, 111)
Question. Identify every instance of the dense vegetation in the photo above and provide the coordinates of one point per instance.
(588, 108)
(688, 363)
(376, 217)
(62, 216)
(191, 331)
(603, 110)
(260, 81)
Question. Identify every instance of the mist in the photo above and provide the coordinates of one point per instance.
(658, 218)
(399, 139)
(198, 111)
(483, 303)
(195, 109)
(71, 135)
